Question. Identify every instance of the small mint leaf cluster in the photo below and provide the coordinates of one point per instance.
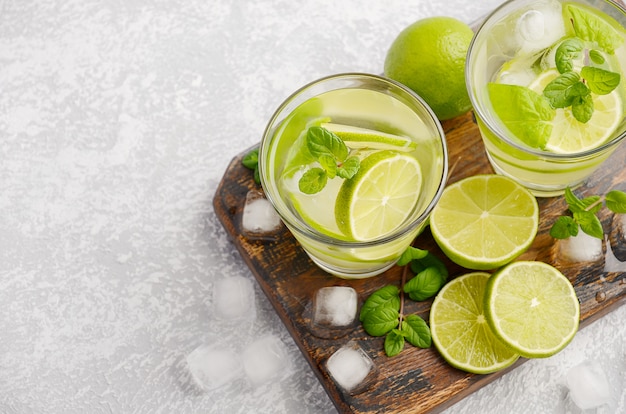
(584, 214)
(334, 159)
(381, 314)
(574, 89)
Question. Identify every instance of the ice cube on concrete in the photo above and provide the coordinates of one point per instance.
(212, 366)
(259, 216)
(349, 366)
(581, 248)
(335, 306)
(266, 360)
(588, 385)
(233, 298)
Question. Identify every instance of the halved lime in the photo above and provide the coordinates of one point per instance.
(460, 330)
(485, 221)
(358, 138)
(533, 308)
(380, 197)
(570, 135)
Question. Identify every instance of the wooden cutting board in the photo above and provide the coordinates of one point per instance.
(417, 380)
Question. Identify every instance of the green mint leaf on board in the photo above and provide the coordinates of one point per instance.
(576, 204)
(562, 90)
(589, 26)
(564, 227)
(380, 322)
(251, 161)
(616, 201)
(596, 57)
(582, 108)
(600, 81)
(385, 297)
(349, 167)
(416, 331)
(430, 260)
(589, 223)
(566, 52)
(425, 284)
(313, 181)
(328, 164)
(321, 141)
(394, 343)
(411, 253)
(525, 113)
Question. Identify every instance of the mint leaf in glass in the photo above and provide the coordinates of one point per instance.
(600, 81)
(562, 90)
(313, 181)
(569, 50)
(589, 26)
(321, 141)
(596, 57)
(349, 167)
(582, 108)
(524, 112)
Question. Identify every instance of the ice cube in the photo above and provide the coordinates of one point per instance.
(540, 27)
(335, 306)
(213, 366)
(581, 248)
(265, 360)
(233, 298)
(259, 217)
(349, 366)
(588, 385)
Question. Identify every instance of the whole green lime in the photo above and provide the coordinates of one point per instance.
(429, 57)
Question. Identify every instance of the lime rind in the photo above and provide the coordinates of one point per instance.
(533, 308)
(363, 138)
(460, 331)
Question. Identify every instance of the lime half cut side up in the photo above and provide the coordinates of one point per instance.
(485, 221)
(380, 197)
(533, 308)
(460, 331)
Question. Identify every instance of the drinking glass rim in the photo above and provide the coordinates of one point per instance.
(308, 231)
(497, 129)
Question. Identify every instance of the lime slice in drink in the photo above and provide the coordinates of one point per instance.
(568, 134)
(358, 138)
(380, 197)
(460, 330)
(484, 221)
(532, 308)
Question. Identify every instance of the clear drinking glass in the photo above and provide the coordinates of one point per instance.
(377, 106)
(516, 44)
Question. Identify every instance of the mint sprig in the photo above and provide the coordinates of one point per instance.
(382, 312)
(332, 155)
(584, 214)
(574, 89)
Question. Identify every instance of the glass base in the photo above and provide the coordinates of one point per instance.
(537, 190)
(346, 273)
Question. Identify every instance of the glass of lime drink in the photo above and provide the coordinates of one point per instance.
(545, 78)
(353, 164)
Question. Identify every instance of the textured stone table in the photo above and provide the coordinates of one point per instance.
(117, 121)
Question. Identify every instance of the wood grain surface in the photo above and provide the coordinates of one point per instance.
(417, 380)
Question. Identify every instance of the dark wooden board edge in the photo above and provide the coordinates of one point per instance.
(401, 385)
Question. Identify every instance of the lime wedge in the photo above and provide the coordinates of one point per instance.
(484, 221)
(568, 134)
(380, 197)
(532, 308)
(360, 138)
(460, 330)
